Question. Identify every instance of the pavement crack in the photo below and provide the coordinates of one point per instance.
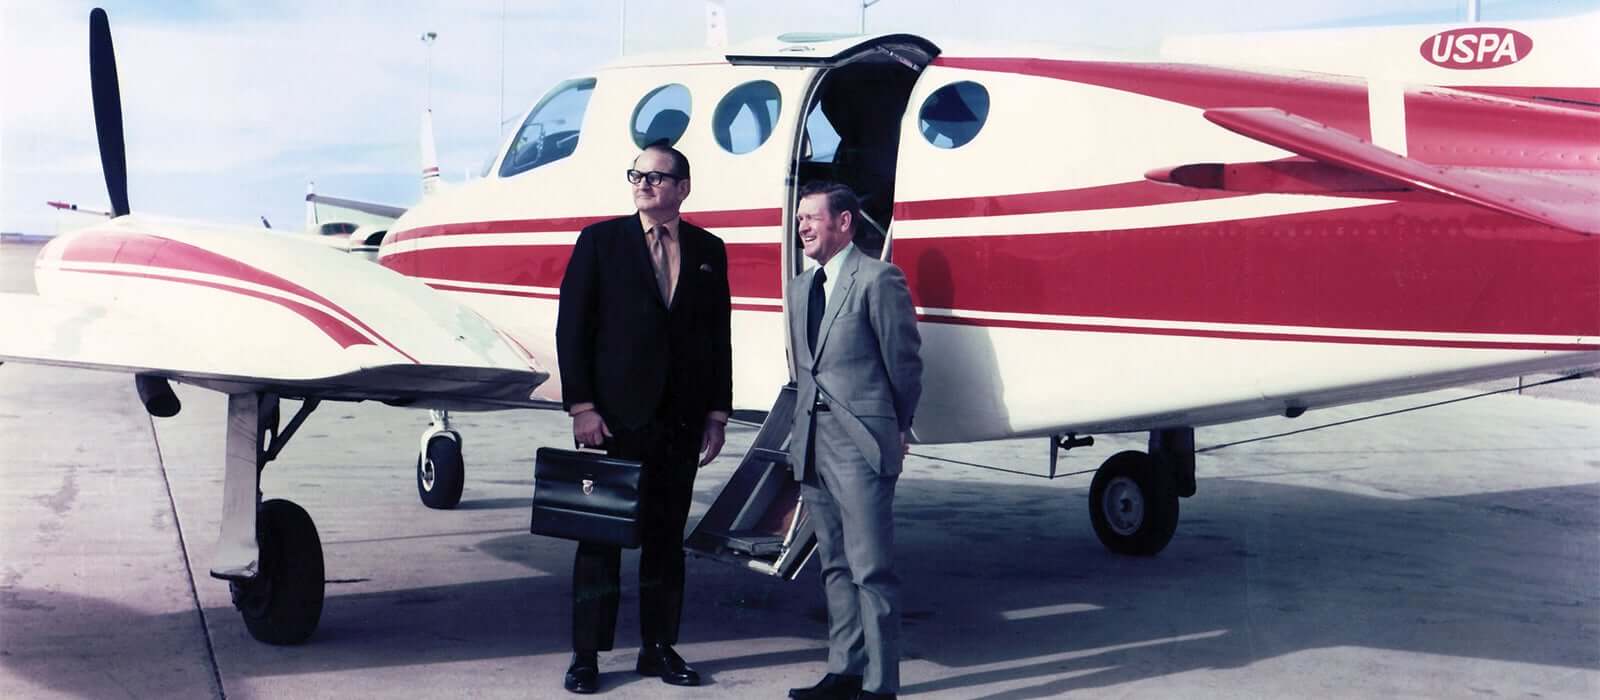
(183, 551)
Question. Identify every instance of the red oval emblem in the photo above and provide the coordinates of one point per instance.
(1472, 48)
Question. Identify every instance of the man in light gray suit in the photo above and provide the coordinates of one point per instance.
(853, 335)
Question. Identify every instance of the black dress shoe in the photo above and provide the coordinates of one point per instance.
(661, 660)
(869, 695)
(583, 676)
(834, 686)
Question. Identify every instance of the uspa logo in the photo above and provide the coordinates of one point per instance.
(1476, 47)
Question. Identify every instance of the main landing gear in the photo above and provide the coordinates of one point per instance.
(1133, 499)
(441, 472)
(269, 553)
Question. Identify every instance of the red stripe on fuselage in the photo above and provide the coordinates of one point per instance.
(1466, 130)
(1255, 335)
(1120, 195)
(1340, 105)
(1581, 97)
(1443, 128)
(729, 218)
(1393, 267)
(753, 268)
(155, 251)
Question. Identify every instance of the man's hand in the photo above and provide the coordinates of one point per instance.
(589, 429)
(905, 443)
(711, 440)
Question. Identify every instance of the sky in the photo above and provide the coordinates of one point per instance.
(231, 106)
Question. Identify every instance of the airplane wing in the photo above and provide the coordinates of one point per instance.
(1568, 199)
(38, 330)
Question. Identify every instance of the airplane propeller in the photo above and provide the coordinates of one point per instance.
(108, 111)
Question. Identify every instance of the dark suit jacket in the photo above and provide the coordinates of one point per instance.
(619, 345)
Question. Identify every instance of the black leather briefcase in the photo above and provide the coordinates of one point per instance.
(586, 496)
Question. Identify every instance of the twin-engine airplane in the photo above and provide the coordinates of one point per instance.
(1093, 246)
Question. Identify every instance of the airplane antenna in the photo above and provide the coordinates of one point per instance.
(622, 27)
(427, 40)
(500, 124)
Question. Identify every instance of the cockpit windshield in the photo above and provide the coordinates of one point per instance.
(551, 131)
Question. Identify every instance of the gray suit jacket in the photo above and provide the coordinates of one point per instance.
(866, 366)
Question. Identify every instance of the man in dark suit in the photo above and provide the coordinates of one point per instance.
(642, 339)
(856, 353)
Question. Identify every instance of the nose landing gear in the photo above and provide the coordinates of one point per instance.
(441, 471)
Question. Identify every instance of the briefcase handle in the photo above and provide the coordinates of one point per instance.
(601, 448)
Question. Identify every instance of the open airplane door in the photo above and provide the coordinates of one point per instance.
(854, 102)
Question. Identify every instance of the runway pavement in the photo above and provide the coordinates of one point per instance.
(1450, 552)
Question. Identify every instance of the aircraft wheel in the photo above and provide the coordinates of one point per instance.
(283, 603)
(441, 473)
(1133, 504)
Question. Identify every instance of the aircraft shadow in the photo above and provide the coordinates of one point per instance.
(1258, 570)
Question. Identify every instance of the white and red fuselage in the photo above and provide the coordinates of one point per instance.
(1057, 288)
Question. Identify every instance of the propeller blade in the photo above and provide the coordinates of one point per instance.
(108, 110)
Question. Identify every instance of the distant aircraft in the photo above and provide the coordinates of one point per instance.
(359, 227)
(68, 206)
(1093, 246)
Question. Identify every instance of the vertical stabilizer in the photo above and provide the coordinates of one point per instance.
(311, 206)
(430, 156)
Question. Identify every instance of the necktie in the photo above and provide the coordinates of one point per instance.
(814, 307)
(658, 260)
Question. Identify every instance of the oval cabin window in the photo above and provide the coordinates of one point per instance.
(954, 114)
(662, 116)
(746, 116)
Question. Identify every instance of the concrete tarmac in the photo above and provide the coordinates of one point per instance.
(1449, 552)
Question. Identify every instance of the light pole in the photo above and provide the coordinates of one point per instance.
(427, 40)
(622, 27)
(864, 5)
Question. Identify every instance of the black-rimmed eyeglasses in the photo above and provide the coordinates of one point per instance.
(653, 178)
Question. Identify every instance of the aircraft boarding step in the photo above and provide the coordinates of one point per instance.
(758, 522)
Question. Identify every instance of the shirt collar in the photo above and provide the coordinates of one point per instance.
(671, 224)
(836, 263)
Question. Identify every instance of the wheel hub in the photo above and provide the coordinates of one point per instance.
(427, 474)
(1123, 503)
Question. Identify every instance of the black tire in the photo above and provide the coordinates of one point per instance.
(441, 473)
(283, 603)
(1133, 503)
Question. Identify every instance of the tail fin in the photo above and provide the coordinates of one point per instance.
(430, 156)
(311, 207)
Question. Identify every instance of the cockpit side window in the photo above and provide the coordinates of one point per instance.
(551, 131)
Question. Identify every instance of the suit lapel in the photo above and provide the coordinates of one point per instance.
(638, 253)
(841, 290)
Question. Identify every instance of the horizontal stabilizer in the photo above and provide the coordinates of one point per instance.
(1563, 199)
(371, 208)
